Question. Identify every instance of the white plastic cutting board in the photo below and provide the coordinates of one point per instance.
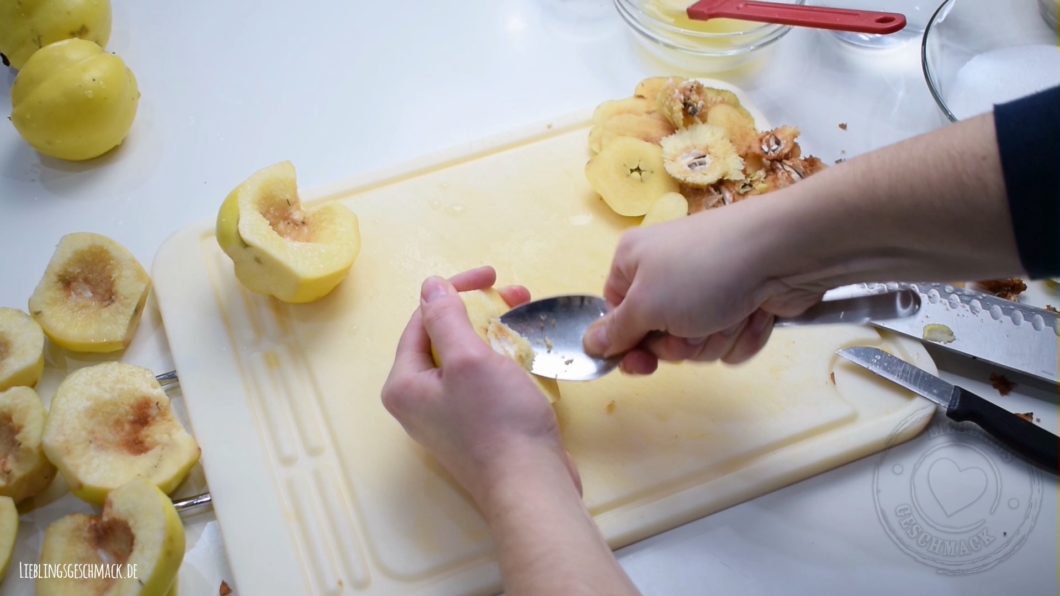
(319, 491)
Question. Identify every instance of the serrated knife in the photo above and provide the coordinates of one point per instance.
(1005, 333)
(1036, 444)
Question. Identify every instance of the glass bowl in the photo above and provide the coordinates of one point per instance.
(662, 29)
(978, 53)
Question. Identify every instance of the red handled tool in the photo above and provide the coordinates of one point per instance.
(819, 17)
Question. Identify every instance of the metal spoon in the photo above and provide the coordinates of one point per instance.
(555, 327)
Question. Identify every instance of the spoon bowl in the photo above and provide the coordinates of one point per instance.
(555, 327)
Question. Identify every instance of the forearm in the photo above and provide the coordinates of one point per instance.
(547, 542)
(933, 207)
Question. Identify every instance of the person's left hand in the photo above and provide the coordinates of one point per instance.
(479, 412)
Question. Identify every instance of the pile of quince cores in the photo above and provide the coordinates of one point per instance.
(71, 99)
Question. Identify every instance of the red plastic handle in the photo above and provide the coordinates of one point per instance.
(819, 17)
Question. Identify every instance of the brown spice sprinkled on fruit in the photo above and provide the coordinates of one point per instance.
(9, 430)
(131, 433)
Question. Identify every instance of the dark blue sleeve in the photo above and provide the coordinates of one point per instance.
(1028, 138)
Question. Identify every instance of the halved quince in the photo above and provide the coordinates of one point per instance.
(92, 294)
(484, 309)
(8, 532)
(24, 470)
(21, 349)
(281, 249)
(112, 423)
(138, 530)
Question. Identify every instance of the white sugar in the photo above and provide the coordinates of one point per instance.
(1002, 75)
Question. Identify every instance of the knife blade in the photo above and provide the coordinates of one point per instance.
(1034, 443)
(1004, 333)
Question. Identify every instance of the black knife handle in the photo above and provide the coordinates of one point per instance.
(1031, 441)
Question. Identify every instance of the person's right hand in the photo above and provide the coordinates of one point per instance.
(703, 288)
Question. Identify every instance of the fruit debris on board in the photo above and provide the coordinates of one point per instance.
(21, 349)
(278, 247)
(1006, 289)
(112, 423)
(713, 154)
(138, 529)
(24, 469)
(92, 294)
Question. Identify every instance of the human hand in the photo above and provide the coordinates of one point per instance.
(706, 287)
(479, 411)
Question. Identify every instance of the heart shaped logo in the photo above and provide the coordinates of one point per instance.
(955, 488)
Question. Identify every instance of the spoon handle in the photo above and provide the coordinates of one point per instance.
(858, 310)
(818, 17)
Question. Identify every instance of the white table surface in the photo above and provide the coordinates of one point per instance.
(343, 89)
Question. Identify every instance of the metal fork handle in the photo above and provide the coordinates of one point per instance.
(858, 310)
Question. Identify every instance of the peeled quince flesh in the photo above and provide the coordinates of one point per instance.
(21, 349)
(112, 423)
(72, 100)
(670, 206)
(278, 247)
(484, 309)
(92, 295)
(24, 469)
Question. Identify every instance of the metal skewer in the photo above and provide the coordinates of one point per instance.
(196, 502)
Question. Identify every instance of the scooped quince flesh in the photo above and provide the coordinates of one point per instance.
(72, 100)
(92, 294)
(28, 25)
(8, 532)
(484, 309)
(670, 206)
(138, 529)
(26, 470)
(112, 423)
(21, 349)
(280, 248)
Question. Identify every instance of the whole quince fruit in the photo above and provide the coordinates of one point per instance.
(28, 25)
(74, 101)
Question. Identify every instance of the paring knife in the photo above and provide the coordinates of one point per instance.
(1005, 333)
(1026, 438)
